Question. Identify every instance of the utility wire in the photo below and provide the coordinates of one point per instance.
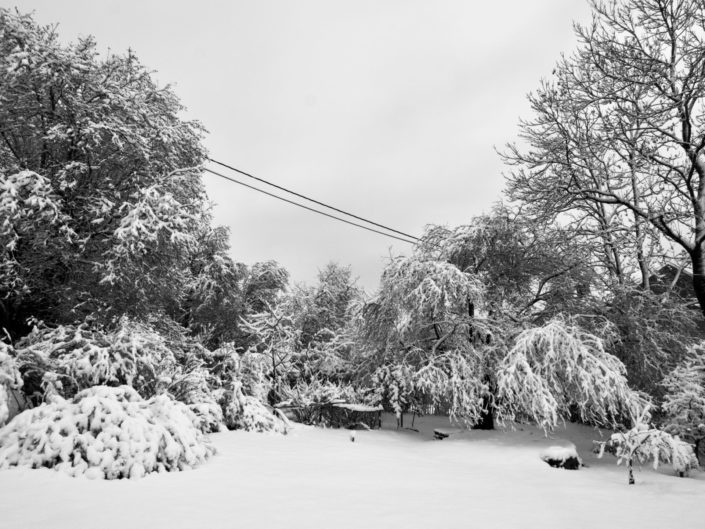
(313, 200)
(308, 208)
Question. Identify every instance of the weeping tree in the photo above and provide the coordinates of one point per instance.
(530, 271)
(558, 371)
(429, 338)
(422, 339)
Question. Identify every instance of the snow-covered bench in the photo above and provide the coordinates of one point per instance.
(443, 433)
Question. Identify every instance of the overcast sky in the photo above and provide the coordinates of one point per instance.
(389, 109)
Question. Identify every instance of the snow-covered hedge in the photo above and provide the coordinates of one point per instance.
(106, 432)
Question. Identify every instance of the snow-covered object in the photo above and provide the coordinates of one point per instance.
(105, 432)
(561, 456)
(645, 443)
(558, 366)
(9, 379)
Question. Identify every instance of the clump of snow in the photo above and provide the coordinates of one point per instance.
(106, 432)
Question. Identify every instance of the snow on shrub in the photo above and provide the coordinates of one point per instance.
(312, 401)
(105, 432)
(557, 368)
(9, 379)
(69, 358)
(209, 414)
(643, 442)
(244, 412)
(684, 403)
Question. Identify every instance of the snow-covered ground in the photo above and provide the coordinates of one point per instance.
(384, 479)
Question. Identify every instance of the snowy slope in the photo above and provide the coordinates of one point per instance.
(319, 478)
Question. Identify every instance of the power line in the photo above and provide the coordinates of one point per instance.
(306, 207)
(313, 200)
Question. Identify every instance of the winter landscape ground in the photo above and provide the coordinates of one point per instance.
(317, 477)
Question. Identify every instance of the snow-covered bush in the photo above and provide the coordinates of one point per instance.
(244, 412)
(149, 357)
(395, 387)
(69, 358)
(312, 401)
(684, 402)
(559, 368)
(643, 442)
(9, 379)
(208, 412)
(105, 432)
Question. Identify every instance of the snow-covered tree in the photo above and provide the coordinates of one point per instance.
(322, 315)
(529, 271)
(557, 370)
(99, 199)
(430, 340)
(684, 402)
(264, 282)
(420, 332)
(273, 337)
(643, 443)
(214, 300)
(652, 332)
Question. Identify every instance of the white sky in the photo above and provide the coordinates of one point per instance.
(390, 109)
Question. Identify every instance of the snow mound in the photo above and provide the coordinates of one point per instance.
(106, 432)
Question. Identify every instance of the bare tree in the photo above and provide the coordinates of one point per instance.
(617, 142)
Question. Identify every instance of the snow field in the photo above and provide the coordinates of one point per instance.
(385, 479)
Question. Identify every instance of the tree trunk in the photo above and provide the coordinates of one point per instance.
(697, 257)
(486, 421)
